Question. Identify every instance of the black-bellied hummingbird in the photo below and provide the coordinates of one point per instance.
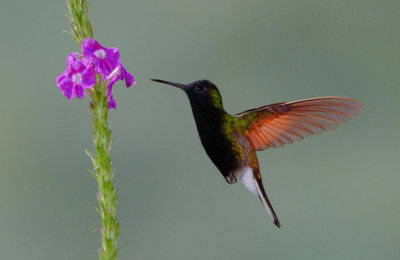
(231, 141)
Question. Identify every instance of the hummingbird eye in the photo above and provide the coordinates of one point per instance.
(199, 88)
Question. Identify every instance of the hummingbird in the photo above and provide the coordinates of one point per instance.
(231, 141)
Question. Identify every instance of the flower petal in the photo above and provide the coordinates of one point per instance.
(129, 79)
(89, 46)
(66, 88)
(104, 67)
(112, 55)
(111, 102)
(61, 77)
(116, 73)
(110, 85)
(72, 57)
(88, 77)
(79, 91)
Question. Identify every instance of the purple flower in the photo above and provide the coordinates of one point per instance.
(81, 74)
(119, 73)
(104, 59)
(76, 77)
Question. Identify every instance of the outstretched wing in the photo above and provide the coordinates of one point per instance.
(282, 123)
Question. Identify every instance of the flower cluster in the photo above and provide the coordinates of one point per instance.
(80, 73)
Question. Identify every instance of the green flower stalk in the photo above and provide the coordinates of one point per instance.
(94, 71)
(79, 22)
(103, 172)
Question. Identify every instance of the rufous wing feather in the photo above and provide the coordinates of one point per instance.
(282, 123)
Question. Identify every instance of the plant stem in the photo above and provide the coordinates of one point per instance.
(104, 175)
(81, 29)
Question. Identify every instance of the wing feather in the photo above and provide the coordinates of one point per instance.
(282, 123)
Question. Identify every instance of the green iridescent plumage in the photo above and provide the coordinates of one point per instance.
(216, 98)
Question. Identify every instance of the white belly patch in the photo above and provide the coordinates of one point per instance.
(245, 175)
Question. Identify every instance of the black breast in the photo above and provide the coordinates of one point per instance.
(218, 147)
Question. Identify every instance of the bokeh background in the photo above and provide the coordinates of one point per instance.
(336, 194)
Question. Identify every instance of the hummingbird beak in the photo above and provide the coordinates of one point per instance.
(177, 85)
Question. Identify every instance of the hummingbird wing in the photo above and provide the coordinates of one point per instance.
(282, 123)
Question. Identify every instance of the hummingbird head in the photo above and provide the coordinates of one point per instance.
(201, 93)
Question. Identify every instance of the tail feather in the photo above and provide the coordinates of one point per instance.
(266, 203)
(251, 178)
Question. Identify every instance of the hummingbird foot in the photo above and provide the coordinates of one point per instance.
(231, 178)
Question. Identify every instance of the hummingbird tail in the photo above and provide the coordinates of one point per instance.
(265, 201)
(251, 178)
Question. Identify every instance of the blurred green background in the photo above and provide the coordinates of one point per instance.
(336, 194)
